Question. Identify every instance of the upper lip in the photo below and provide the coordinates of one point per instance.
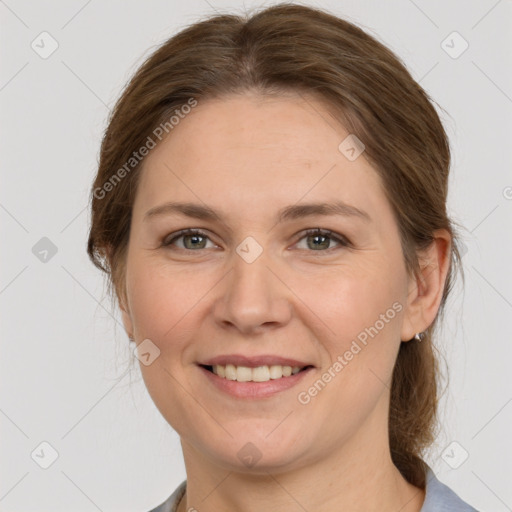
(254, 361)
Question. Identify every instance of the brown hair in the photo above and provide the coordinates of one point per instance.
(283, 48)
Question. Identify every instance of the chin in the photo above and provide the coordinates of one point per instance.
(252, 453)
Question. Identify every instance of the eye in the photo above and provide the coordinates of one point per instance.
(192, 239)
(316, 240)
(320, 239)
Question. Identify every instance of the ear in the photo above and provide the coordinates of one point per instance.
(126, 317)
(425, 291)
(122, 299)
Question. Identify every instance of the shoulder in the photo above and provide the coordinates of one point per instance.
(440, 498)
(171, 503)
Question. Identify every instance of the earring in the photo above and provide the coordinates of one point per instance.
(419, 336)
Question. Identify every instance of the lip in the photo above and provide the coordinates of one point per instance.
(253, 362)
(254, 390)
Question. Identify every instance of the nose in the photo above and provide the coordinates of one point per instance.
(254, 297)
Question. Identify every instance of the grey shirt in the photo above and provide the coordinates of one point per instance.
(438, 498)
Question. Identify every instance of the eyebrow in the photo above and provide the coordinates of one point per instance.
(297, 211)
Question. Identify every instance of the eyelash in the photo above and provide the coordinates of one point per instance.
(343, 241)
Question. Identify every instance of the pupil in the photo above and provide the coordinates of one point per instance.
(320, 245)
(195, 238)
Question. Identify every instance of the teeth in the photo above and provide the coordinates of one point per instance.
(276, 372)
(243, 374)
(258, 374)
(231, 372)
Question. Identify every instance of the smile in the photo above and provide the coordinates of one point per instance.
(258, 374)
(244, 382)
(254, 377)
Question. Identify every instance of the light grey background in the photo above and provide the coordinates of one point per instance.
(64, 354)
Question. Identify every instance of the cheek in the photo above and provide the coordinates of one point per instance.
(171, 305)
(163, 307)
(354, 301)
(361, 309)
(345, 302)
(160, 301)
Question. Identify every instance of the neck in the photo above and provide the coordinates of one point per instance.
(350, 479)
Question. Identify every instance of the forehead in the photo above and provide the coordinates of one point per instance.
(248, 151)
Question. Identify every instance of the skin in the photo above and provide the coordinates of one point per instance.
(248, 156)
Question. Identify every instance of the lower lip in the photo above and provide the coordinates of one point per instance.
(254, 389)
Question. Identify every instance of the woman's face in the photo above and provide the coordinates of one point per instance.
(253, 174)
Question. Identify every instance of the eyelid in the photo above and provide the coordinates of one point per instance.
(342, 240)
(172, 237)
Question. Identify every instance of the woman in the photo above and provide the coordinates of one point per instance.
(270, 209)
